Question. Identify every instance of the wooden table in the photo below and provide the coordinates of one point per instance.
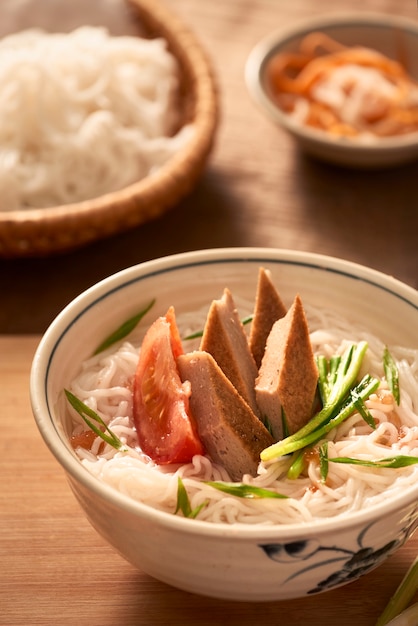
(258, 190)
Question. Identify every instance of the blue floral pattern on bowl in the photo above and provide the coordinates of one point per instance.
(351, 563)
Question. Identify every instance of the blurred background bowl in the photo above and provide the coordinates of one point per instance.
(40, 232)
(240, 562)
(395, 37)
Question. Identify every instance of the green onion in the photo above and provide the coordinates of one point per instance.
(244, 491)
(408, 617)
(267, 424)
(327, 375)
(285, 424)
(183, 502)
(393, 462)
(297, 466)
(323, 461)
(86, 412)
(124, 329)
(345, 374)
(317, 428)
(363, 410)
(196, 335)
(391, 374)
(199, 333)
(402, 597)
(322, 365)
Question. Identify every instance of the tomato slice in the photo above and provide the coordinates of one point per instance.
(163, 420)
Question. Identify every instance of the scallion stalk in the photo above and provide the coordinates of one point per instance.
(327, 370)
(199, 333)
(391, 462)
(391, 374)
(297, 466)
(87, 414)
(317, 428)
(402, 597)
(242, 490)
(408, 617)
(323, 461)
(123, 330)
(344, 377)
(183, 502)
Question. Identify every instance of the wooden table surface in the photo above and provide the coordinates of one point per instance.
(257, 190)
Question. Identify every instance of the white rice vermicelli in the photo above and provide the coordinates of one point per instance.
(83, 114)
(105, 384)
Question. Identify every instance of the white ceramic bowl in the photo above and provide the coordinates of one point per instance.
(394, 36)
(226, 561)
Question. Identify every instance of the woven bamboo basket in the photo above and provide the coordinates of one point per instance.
(41, 232)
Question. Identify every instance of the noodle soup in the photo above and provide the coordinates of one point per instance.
(322, 535)
(105, 385)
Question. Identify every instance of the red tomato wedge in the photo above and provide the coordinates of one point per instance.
(165, 426)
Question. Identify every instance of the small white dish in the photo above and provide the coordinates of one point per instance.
(393, 36)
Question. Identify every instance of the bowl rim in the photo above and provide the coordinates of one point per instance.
(74, 468)
(262, 52)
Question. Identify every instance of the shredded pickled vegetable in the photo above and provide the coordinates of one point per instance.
(347, 91)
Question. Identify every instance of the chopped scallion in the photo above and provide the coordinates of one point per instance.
(244, 491)
(394, 462)
(199, 333)
(345, 371)
(87, 415)
(297, 466)
(362, 409)
(391, 374)
(183, 502)
(123, 330)
(327, 375)
(402, 597)
(323, 461)
(321, 424)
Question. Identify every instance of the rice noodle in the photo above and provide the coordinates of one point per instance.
(83, 114)
(104, 384)
(351, 92)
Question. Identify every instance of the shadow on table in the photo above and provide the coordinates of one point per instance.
(369, 217)
(361, 601)
(202, 220)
